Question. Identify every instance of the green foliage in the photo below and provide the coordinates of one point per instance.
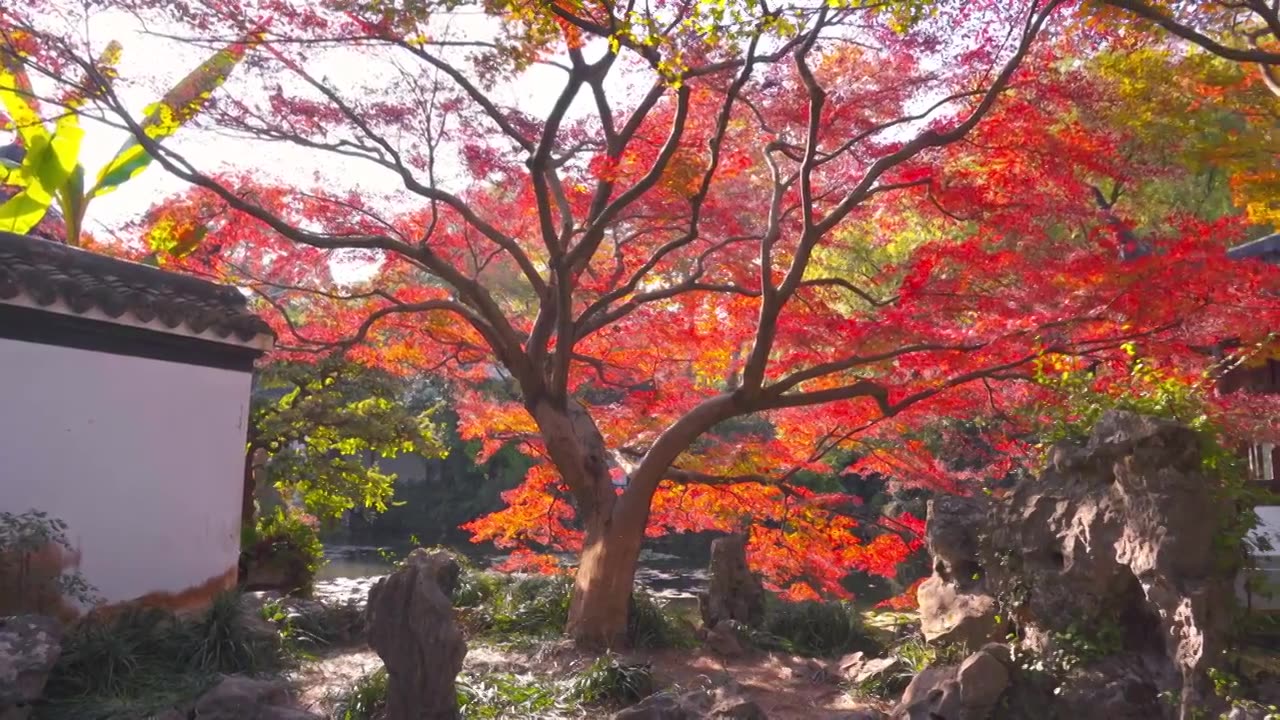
(492, 696)
(912, 654)
(287, 540)
(51, 171)
(365, 699)
(1149, 391)
(1146, 391)
(533, 606)
(495, 695)
(223, 642)
(27, 588)
(813, 628)
(609, 681)
(323, 424)
(144, 660)
(504, 606)
(652, 625)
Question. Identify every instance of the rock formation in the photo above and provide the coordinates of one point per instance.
(29, 648)
(734, 592)
(724, 703)
(242, 698)
(412, 627)
(1114, 542)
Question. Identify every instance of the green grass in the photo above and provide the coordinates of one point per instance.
(145, 660)
(520, 608)
(606, 683)
(364, 700)
(814, 629)
(609, 681)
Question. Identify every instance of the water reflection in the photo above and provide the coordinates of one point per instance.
(664, 575)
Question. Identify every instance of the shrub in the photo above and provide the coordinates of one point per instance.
(286, 547)
(533, 605)
(651, 625)
(143, 659)
(609, 681)
(33, 579)
(813, 628)
(497, 696)
(223, 642)
(365, 699)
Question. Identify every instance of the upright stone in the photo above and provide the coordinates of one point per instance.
(413, 629)
(29, 647)
(734, 592)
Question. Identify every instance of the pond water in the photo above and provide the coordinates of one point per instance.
(350, 570)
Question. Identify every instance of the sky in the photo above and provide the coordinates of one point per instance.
(163, 61)
(151, 63)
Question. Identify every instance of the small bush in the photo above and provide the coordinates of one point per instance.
(495, 696)
(223, 642)
(143, 660)
(287, 542)
(813, 628)
(652, 626)
(477, 588)
(533, 606)
(611, 682)
(30, 574)
(365, 699)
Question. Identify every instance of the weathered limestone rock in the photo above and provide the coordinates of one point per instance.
(734, 592)
(857, 670)
(934, 694)
(863, 714)
(412, 627)
(983, 679)
(1115, 537)
(948, 616)
(731, 705)
(725, 703)
(242, 698)
(969, 691)
(29, 648)
(1121, 687)
(669, 706)
(725, 640)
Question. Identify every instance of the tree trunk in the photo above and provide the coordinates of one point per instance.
(614, 530)
(614, 524)
(604, 582)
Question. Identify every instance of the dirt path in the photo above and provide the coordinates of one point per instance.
(786, 687)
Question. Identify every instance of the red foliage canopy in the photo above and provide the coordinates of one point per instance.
(734, 242)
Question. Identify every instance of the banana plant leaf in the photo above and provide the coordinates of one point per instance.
(163, 118)
(49, 163)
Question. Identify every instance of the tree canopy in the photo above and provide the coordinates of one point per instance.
(682, 252)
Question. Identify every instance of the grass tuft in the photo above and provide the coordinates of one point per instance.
(143, 660)
(814, 629)
(365, 699)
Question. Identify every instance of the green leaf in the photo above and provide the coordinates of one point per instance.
(183, 102)
(72, 201)
(48, 165)
(19, 101)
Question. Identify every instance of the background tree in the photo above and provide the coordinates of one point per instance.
(720, 242)
(323, 429)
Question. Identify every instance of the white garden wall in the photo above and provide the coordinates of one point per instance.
(142, 458)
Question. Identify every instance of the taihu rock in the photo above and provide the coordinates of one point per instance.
(242, 698)
(1118, 530)
(411, 625)
(733, 592)
(29, 647)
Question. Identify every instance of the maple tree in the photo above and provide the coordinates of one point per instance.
(725, 241)
(1243, 32)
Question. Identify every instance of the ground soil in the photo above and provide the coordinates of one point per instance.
(786, 687)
